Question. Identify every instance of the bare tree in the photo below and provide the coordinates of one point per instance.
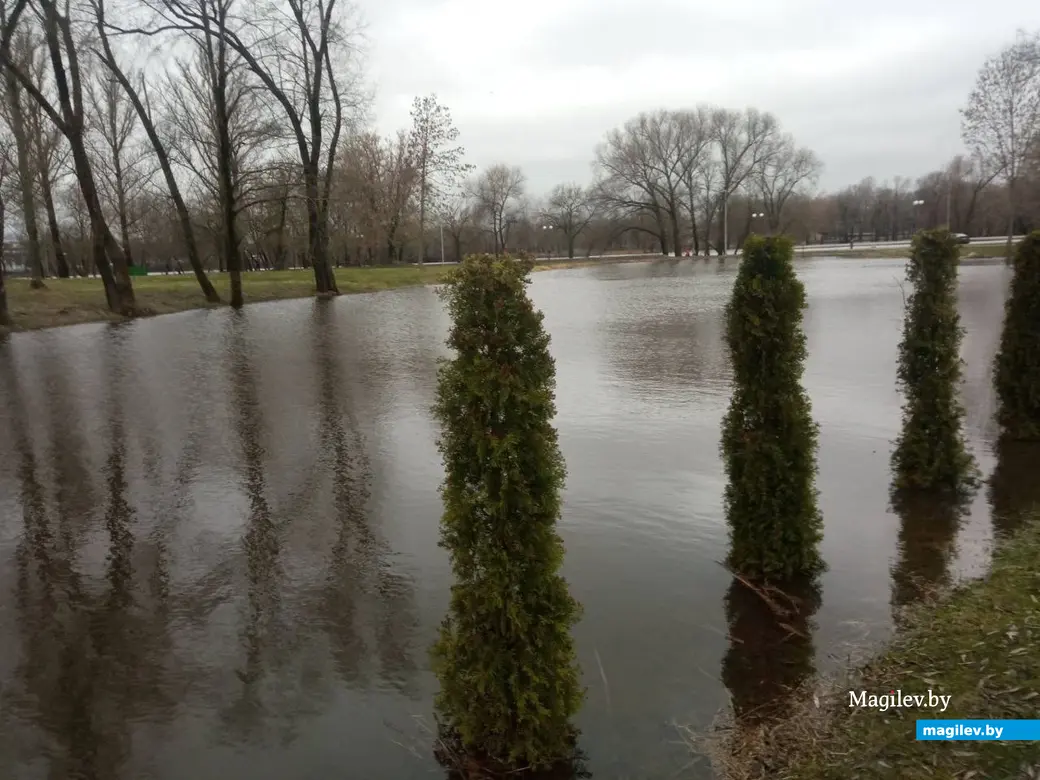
(457, 215)
(377, 184)
(695, 126)
(438, 161)
(650, 173)
(50, 157)
(139, 98)
(1002, 118)
(662, 135)
(744, 142)
(115, 120)
(70, 118)
(570, 209)
(966, 179)
(5, 314)
(299, 51)
(497, 191)
(21, 47)
(785, 170)
(218, 128)
(628, 184)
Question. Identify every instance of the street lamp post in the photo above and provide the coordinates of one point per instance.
(915, 205)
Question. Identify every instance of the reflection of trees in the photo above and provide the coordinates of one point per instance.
(92, 660)
(927, 530)
(1014, 487)
(771, 650)
(357, 571)
(73, 481)
(460, 764)
(262, 540)
(670, 349)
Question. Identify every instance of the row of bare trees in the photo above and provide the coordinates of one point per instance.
(246, 99)
(232, 135)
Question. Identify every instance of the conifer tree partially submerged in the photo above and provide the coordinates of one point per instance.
(505, 657)
(769, 439)
(930, 453)
(1017, 366)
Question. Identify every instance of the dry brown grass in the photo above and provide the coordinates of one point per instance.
(979, 643)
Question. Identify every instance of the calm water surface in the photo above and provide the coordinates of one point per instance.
(218, 531)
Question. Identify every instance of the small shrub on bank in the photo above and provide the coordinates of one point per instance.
(1017, 365)
(930, 453)
(769, 439)
(505, 657)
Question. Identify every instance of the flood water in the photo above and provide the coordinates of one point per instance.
(218, 530)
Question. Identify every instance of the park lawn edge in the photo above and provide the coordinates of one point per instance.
(979, 643)
(77, 301)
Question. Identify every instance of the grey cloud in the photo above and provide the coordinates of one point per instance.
(882, 100)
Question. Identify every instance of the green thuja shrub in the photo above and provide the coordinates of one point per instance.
(1017, 366)
(769, 439)
(505, 658)
(930, 453)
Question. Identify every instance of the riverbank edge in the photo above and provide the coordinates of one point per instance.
(66, 302)
(979, 643)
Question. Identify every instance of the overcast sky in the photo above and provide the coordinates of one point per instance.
(874, 88)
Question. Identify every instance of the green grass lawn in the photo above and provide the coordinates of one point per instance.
(73, 301)
(980, 644)
(968, 251)
(69, 301)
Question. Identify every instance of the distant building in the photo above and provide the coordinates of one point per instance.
(14, 258)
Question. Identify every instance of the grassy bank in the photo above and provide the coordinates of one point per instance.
(980, 645)
(968, 251)
(73, 301)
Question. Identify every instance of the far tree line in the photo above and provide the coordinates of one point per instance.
(249, 147)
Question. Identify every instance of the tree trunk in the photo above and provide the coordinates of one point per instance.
(661, 231)
(707, 232)
(164, 162)
(676, 240)
(124, 223)
(279, 245)
(229, 233)
(52, 224)
(25, 180)
(570, 246)
(422, 213)
(317, 238)
(119, 291)
(695, 239)
(5, 314)
(1011, 221)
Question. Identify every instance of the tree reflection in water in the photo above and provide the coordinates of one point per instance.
(927, 533)
(361, 585)
(92, 661)
(262, 539)
(771, 652)
(1014, 487)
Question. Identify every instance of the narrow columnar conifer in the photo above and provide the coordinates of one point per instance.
(769, 439)
(930, 453)
(505, 658)
(1017, 366)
